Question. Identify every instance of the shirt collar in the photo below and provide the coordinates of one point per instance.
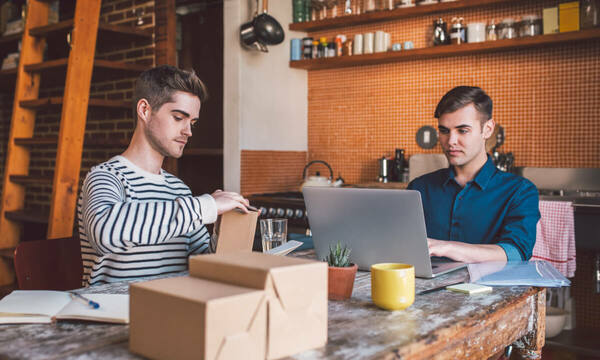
(481, 179)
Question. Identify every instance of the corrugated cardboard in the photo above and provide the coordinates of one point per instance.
(236, 231)
(191, 318)
(296, 291)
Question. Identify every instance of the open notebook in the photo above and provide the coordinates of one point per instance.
(40, 306)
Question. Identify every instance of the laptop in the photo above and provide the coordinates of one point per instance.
(379, 225)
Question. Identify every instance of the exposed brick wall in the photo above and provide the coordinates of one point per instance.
(267, 171)
(107, 124)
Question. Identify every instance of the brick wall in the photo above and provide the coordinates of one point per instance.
(108, 124)
(545, 98)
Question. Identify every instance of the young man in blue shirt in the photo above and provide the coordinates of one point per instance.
(473, 211)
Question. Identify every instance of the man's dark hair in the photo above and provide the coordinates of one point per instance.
(462, 96)
(158, 84)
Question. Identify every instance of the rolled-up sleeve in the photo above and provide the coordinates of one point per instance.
(518, 233)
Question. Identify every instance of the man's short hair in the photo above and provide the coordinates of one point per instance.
(462, 96)
(158, 84)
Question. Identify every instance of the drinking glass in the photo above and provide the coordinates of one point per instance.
(273, 233)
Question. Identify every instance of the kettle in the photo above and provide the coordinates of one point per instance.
(318, 180)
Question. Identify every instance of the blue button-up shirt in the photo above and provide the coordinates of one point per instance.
(494, 208)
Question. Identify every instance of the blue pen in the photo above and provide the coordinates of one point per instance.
(91, 303)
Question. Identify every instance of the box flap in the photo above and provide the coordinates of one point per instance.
(236, 231)
(194, 289)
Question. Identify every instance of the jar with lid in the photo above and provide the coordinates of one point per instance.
(506, 29)
(589, 14)
(530, 25)
(440, 32)
(457, 31)
(491, 34)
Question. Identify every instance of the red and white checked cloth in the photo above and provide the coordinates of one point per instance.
(555, 239)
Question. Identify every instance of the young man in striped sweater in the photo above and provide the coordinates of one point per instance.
(135, 219)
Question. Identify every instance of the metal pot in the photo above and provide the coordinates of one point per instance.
(267, 29)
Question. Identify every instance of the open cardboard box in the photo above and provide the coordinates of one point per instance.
(191, 318)
(235, 231)
(296, 292)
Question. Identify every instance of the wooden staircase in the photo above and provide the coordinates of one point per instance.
(80, 66)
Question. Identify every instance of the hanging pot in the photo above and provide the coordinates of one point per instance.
(248, 36)
(267, 29)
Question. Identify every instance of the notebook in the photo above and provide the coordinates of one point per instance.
(41, 306)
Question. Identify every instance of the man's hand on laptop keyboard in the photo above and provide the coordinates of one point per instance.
(466, 253)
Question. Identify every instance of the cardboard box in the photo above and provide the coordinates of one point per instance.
(191, 318)
(296, 291)
(568, 16)
(235, 231)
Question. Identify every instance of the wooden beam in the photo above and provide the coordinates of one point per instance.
(22, 124)
(165, 31)
(73, 119)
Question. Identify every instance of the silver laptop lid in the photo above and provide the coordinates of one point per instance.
(379, 225)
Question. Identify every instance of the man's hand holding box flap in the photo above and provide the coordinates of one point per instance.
(296, 290)
(191, 318)
(236, 231)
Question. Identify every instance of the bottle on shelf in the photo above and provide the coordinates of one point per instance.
(398, 165)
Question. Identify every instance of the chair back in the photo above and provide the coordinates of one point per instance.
(52, 264)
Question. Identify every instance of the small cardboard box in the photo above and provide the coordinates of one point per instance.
(550, 20)
(191, 318)
(235, 231)
(296, 291)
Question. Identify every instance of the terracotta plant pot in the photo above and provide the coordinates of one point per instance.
(341, 282)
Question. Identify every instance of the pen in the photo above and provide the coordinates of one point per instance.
(91, 303)
(438, 288)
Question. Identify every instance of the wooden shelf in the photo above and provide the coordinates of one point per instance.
(30, 216)
(30, 179)
(209, 152)
(98, 64)
(57, 101)
(123, 32)
(387, 15)
(7, 253)
(14, 38)
(89, 141)
(446, 50)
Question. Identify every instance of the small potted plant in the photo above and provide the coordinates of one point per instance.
(341, 272)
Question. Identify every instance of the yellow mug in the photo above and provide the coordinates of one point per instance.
(393, 285)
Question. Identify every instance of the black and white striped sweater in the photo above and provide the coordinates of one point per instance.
(133, 223)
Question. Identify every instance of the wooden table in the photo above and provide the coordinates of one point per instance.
(441, 325)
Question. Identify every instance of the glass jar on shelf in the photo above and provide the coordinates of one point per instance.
(589, 14)
(507, 29)
(530, 25)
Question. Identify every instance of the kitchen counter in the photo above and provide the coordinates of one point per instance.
(442, 324)
(378, 185)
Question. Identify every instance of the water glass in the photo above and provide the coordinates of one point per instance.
(273, 233)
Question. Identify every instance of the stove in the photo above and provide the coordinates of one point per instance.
(286, 205)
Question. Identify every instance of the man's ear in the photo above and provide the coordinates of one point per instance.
(488, 128)
(143, 110)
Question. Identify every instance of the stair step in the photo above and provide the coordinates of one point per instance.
(28, 215)
(89, 141)
(31, 179)
(57, 100)
(122, 32)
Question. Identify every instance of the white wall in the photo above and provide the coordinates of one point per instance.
(265, 101)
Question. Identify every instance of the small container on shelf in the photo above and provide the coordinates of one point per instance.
(458, 34)
(530, 25)
(491, 33)
(507, 29)
(550, 20)
(568, 16)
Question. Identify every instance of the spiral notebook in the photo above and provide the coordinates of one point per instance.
(41, 306)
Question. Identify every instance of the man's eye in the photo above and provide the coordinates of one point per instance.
(443, 131)
(463, 131)
(177, 118)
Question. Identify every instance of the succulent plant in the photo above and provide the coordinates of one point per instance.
(338, 256)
